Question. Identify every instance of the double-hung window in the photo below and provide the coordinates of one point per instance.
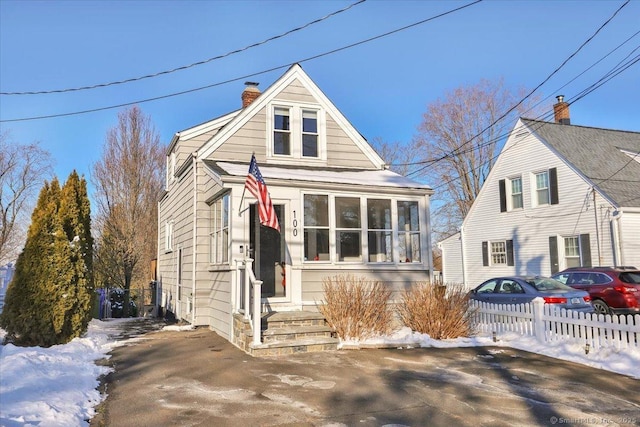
(542, 188)
(282, 131)
(296, 132)
(409, 231)
(572, 251)
(499, 253)
(316, 227)
(348, 229)
(516, 193)
(168, 236)
(380, 233)
(219, 234)
(309, 133)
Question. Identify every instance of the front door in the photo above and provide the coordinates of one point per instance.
(268, 251)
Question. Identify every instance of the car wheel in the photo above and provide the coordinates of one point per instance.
(600, 307)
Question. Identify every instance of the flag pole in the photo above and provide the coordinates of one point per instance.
(240, 210)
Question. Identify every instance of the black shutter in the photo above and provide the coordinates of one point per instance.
(503, 195)
(485, 254)
(553, 186)
(510, 252)
(585, 250)
(553, 254)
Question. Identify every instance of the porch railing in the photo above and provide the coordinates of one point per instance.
(247, 283)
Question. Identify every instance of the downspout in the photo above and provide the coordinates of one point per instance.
(195, 238)
(158, 281)
(595, 214)
(617, 238)
(464, 269)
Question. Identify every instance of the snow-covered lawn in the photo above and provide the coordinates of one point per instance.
(57, 386)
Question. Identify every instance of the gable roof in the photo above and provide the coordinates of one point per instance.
(608, 159)
(293, 73)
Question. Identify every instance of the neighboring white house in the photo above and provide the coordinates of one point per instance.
(341, 211)
(6, 274)
(558, 196)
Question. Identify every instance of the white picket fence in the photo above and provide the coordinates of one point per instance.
(548, 324)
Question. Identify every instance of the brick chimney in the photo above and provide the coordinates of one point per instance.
(250, 93)
(561, 111)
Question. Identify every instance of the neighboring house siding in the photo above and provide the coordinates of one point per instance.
(530, 227)
(452, 260)
(630, 238)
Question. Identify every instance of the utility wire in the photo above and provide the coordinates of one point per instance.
(456, 151)
(246, 75)
(184, 67)
(608, 76)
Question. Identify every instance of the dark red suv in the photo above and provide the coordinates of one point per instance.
(613, 290)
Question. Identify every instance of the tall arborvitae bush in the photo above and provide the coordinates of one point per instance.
(48, 301)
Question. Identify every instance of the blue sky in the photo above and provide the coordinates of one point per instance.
(382, 86)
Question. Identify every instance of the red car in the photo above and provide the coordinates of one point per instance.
(613, 290)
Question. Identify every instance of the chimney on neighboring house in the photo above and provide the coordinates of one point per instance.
(250, 93)
(561, 111)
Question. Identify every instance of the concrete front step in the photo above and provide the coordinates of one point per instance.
(295, 332)
(304, 345)
(286, 332)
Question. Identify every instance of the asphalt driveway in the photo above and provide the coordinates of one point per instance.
(196, 378)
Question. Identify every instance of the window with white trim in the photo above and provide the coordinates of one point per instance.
(316, 227)
(499, 253)
(542, 188)
(348, 229)
(379, 231)
(168, 236)
(296, 132)
(516, 193)
(309, 133)
(282, 131)
(409, 231)
(572, 251)
(344, 228)
(219, 235)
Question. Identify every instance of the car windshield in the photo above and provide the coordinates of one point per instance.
(630, 277)
(547, 284)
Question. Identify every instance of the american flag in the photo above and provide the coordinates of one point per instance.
(256, 186)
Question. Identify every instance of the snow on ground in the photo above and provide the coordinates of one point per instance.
(57, 386)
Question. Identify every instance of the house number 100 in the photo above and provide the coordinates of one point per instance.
(295, 224)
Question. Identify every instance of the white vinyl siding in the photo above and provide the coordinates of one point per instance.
(531, 228)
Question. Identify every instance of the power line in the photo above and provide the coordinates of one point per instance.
(184, 67)
(456, 151)
(247, 75)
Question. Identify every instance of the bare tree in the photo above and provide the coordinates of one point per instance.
(128, 181)
(458, 142)
(23, 169)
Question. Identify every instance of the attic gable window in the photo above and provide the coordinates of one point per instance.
(281, 131)
(542, 188)
(296, 132)
(309, 133)
(546, 188)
